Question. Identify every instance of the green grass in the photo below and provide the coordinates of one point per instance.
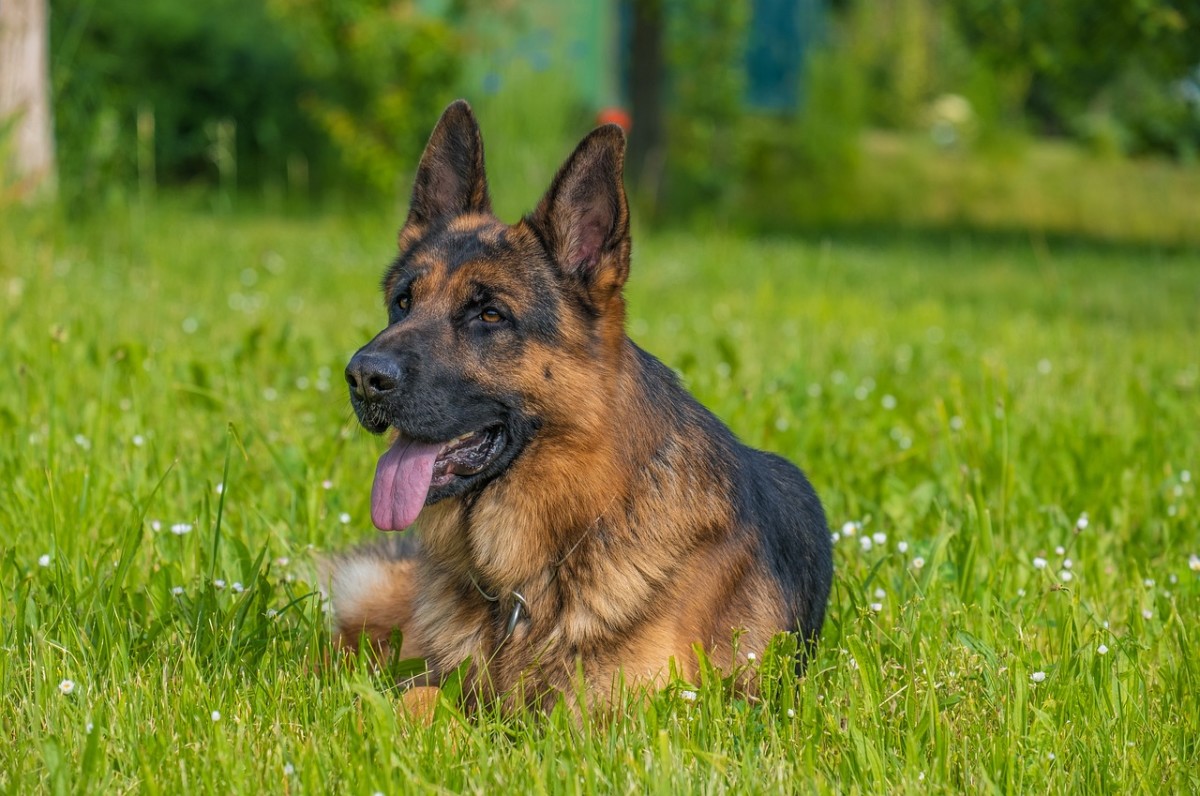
(970, 399)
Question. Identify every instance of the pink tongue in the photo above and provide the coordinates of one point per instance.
(401, 483)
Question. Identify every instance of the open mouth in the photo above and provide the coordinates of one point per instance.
(410, 470)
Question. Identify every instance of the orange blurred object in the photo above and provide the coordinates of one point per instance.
(617, 116)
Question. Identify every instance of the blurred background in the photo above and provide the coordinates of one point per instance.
(1077, 117)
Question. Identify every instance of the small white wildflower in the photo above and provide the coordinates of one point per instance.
(218, 584)
(1194, 562)
(89, 727)
(216, 715)
(865, 543)
(327, 485)
(1130, 744)
(1172, 578)
(1148, 583)
(1102, 649)
(1044, 366)
(344, 518)
(237, 587)
(1037, 677)
(849, 528)
(834, 537)
(791, 714)
(282, 561)
(1039, 562)
(876, 607)
(888, 402)
(902, 547)
(44, 560)
(880, 537)
(155, 525)
(1104, 624)
(1050, 755)
(918, 562)
(921, 777)
(1065, 575)
(1147, 614)
(181, 528)
(750, 656)
(1068, 563)
(687, 696)
(138, 440)
(1020, 592)
(1060, 551)
(272, 613)
(1081, 524)
(1185, 476)
(66, 687)
(220, 489)
(177, 591)
(270, 394)
(288, 769)
(957, 423)
(190, 325)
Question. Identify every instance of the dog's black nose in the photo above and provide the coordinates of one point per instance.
(372, 376)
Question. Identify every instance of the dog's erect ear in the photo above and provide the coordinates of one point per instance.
(450, 180)
(584, 217)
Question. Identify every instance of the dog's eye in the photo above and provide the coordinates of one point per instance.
(403, 302)
(491, 315)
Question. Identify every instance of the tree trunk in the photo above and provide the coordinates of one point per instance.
(25, 95)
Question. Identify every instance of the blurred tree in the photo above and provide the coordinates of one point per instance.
(377, 71)
(1062, 55)
(25, 93)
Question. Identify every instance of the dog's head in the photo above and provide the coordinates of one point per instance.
(496, 334)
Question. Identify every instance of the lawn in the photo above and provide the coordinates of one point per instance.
(1005, 432)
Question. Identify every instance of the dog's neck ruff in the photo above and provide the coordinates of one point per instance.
(520, 606)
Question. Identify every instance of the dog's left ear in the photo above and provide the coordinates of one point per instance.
(584, 217)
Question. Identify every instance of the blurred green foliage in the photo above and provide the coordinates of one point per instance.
(295, 90)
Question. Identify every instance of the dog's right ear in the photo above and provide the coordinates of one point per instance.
(450, 180)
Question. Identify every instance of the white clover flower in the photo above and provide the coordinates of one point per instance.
(177, 591)
(1039, 562)
(181, 528)
(216, 715)
(138, 440)
(1060, 551)
(1081, 524)
(1067, 563)
(218, 584)
(865, 543)
(880, 593)
(44, 560)
(876, 607)
(918, 562)
(791, 714)
(750, 656)
(1037, 677)
(1102, 649)
(288, 769)
(1065, 575)
(879, 537)
(237, 587)
(687, 696)
(66, 687)
(902, 547)
(344, 518)
(849, 528)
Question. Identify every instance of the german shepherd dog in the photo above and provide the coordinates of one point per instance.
(576, 511)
